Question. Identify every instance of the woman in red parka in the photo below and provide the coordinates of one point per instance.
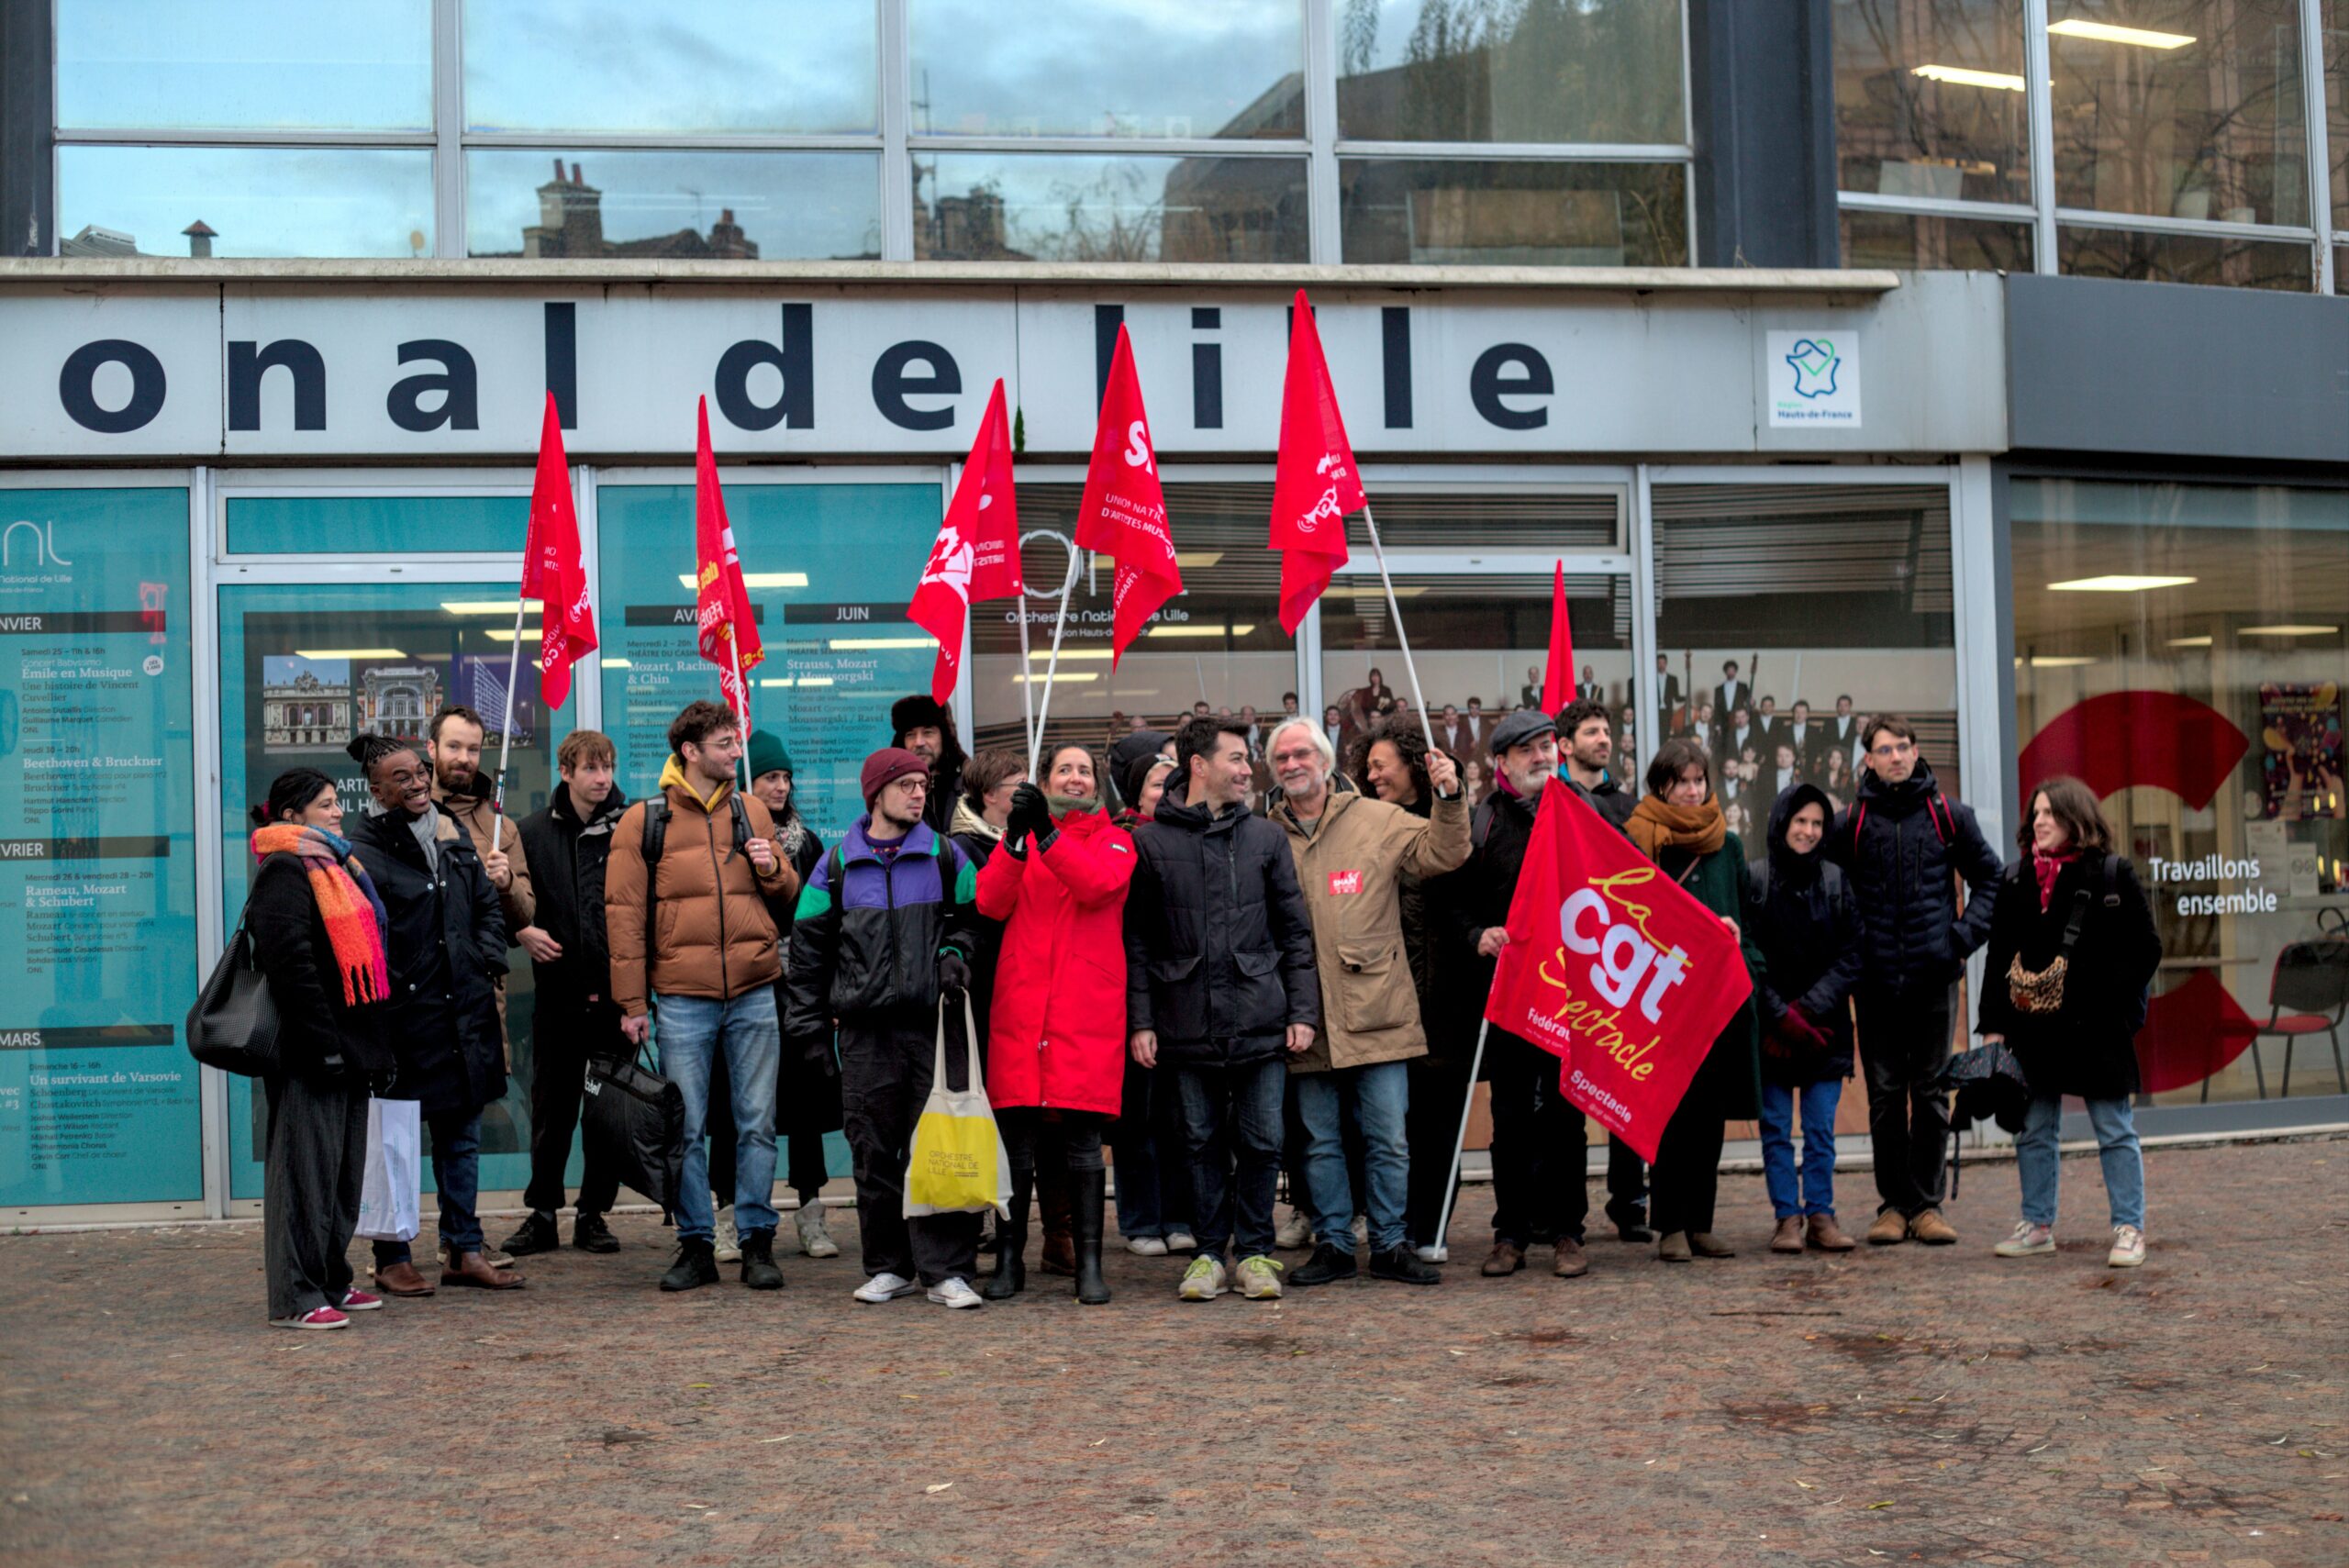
(1057, 1035)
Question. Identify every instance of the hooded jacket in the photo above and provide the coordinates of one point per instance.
(572, 857)
(477, 815)
(1904, 878)
(446, 942)
(292, 948)
(1802, 915)
(1058, 1033)
(715, 937)
(869, 931)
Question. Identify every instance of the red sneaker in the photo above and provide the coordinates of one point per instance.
(317, 1317)
(357, 1300)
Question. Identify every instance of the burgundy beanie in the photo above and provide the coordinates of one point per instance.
(889, 764)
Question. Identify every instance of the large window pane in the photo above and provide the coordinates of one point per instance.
(1514, 71)
(244, 64)
(2180, 108)
(726, 205)
(1905, 239)
(982, 206)
(244, 201)
(1575, 215)
(715, 65)
(2186, 259)
(2336, 107)
(1930, 100)
(2182, 649)
(1172, 68)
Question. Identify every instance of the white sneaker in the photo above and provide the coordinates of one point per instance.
(885, 1286)
(1432, 1254)
(815, 1241)
(1203, 1281)
(2031, 1240)
(1182, 1241)
(2127, 1247)
(1295, 1233)
(728, 1246)
(1146, 1247)
(953, 1292)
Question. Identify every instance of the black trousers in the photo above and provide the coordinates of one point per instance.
(316, 1165)
(1687, 1172)
(1540, 1146)
(1440, 1091)
(1050, 1142)
(803, 1156)
(885, 1082)
(568, 1032)
(1904, 1039)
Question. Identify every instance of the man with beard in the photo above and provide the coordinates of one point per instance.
(463, 795)
(926, 728)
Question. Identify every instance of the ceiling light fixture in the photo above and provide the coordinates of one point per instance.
(870, 644)
(757, 579)
(2105, 32)
(2059, 660)
(486, 606)
(2118, 583)
(1193, 629)
(2201, 641)
(2285, 628)
(348, 653)
(1966, 76)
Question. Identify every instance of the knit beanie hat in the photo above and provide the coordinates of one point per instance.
(766, 754)
(887, 764)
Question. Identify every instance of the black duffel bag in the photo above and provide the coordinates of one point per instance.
(233, 1024)
(1990, 1087)
(632, 1123)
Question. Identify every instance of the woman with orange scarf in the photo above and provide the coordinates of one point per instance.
(1679, 825)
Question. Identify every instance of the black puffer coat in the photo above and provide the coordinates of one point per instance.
(291, 945)
(1802, 915)
(1890, 843)
(1461, 904)
(447, 945)
(1219, 946)
(2088, 1045)
(567, 858)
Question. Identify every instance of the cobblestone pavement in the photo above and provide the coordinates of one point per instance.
(1899, 1405)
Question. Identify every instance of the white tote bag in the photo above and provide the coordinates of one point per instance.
(388, 1201)
(958, 1164)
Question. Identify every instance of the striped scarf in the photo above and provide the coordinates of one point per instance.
(347, 901)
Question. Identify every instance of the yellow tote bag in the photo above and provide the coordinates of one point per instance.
(959, 1164)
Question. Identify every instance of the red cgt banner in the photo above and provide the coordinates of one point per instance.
(1614, 968)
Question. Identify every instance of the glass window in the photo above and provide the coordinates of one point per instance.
(377, 524)
(2180, 108)
(2181, 649)
(716, 66)
(1445, 71)
(1525, 214)
(245, 64)
(1158, 67)
(244, 201)
(986, 207)
(2187, 258)
(1930, 100)
(1903, 240)
(679, 206)
(2336, 28)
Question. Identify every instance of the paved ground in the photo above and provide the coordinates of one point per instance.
(1897, 1406)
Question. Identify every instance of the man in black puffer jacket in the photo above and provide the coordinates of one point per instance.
(1221, 986)
(1905, 846)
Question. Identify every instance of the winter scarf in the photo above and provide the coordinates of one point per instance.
(2047, 868)
(1654, 824)
(347, 900)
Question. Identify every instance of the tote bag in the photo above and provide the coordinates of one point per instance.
(959, 1164)
(233, 1024)
(387, 1195)
(632, 1123)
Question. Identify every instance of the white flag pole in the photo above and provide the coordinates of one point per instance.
(741, 714)
(1051, 665)
(1394, 612)
(1460, 1143)
(1027, 686)
(505, 732)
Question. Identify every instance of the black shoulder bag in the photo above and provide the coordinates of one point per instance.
(233, 1024)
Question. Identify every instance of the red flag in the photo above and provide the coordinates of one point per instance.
(554, 573)
(730, 633)
(977, 553)
(1558, 680)
(1613, 967)
(1316, 482)
(1123, 513)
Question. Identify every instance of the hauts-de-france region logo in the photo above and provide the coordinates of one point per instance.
(1813, 377)
(1814, 361)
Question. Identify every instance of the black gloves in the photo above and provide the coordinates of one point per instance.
(954, 974)
(1031, 816)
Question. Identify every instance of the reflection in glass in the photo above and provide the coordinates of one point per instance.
(1156, 67)
(244, 201)
(1527, 213)
(1902, 239)
(1511, 71)
(2335, 32)
(982, 206)
(1930, 101)
(2205, 120)
(244, 64)
(679, 206)
(715, 65)
(2186, 259)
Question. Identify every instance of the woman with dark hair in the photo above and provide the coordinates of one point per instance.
(1679, 825)
(1390, 764)
(2071, 952)
(318, 936)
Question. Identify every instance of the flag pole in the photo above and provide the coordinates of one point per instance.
(742, 714)
(1051, 665)
(1027, 686)
(1460, 1143)
(506, 731)
(1419, 698)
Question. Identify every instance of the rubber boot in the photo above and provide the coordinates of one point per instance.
(1010, 1276)
(1052, 1197)
(1087, 1192)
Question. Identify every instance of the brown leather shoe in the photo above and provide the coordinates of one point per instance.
(1828, 1236)
(1573, 1262)
(1507, 1258)
(1931, 1230)
(1705, 1244)
(1672, 1247)
(1891, 1228)
(1788, 1238)
(473, 1269)
(402, 1278)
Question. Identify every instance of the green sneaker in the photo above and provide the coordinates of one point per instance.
(1203, 1281)
(1260, 1278)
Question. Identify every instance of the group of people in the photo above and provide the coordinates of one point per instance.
(1216, 993)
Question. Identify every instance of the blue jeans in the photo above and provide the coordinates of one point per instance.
(456, 1175)
(1231, 1137)
(2038, 1161)
(1814, 1192)
(1380, 1094)
(695, 1034)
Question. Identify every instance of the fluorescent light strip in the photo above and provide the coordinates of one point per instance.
(2059, 660)
(1060, 678)
(757, 579)
(1041, 654)
(486, 606)
(2118, 583)
(1966, 76)
(348, 653)
(505, 634)
(2285, 628)
(1189, 631)
(2105, 32)
(867, 644)
(2201, 641)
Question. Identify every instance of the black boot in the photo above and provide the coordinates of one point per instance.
(590, 1234)
(536, 1234)
(1087, 1192)
(757, 1261)
(697, 1264)
(1010, 1276)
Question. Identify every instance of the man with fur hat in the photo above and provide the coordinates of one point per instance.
(926, 728)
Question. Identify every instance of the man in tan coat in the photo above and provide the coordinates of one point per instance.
(1352, 854)
(455, 746)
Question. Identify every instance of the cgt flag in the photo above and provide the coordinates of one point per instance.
(977, 553)
(1614, 968)
(1316, 482)
(552, 570)
(729, 632)
(1123, 513)
(1558, 680)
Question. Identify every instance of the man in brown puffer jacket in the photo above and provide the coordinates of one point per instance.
(693, 945)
